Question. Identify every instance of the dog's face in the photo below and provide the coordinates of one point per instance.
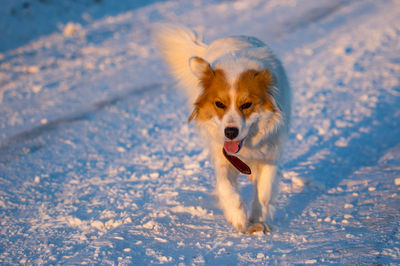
(232, 106)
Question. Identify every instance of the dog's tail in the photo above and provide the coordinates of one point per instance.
(177, 45)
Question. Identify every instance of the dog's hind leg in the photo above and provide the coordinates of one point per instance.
(263, 202)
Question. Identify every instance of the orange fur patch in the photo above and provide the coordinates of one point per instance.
(215, 88)
(252, 87)
(252, 94)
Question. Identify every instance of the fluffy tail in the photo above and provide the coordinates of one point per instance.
(177, 45)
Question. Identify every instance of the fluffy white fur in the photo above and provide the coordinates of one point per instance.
(264, 133)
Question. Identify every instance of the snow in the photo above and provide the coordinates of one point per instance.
(99, 166)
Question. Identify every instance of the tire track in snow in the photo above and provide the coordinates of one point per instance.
(29, 141)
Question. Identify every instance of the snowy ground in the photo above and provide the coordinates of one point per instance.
(98, 163)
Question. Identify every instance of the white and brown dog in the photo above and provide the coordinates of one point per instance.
(240, 97)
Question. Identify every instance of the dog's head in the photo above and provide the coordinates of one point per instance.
(234, 104)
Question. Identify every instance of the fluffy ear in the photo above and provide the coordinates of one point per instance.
(202, 70)
(267, 78)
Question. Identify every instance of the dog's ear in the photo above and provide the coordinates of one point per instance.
(202, 70)
(267, 78)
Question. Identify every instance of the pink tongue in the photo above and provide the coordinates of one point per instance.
(231, 146)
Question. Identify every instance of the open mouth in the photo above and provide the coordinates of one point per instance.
(233, 146)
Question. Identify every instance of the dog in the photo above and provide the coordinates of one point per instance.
(241, 101)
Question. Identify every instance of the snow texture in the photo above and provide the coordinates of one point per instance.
(99, 166)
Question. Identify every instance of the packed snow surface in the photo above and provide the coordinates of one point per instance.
(99, 165)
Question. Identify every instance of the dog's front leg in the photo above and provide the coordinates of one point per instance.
(263, 205)
(227, 193)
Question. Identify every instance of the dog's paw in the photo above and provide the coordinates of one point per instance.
(237, 219)
(257, 227)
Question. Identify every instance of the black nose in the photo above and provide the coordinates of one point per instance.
(231, 132)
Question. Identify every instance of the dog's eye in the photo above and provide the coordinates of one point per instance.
(246, 105)
(220, 105)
